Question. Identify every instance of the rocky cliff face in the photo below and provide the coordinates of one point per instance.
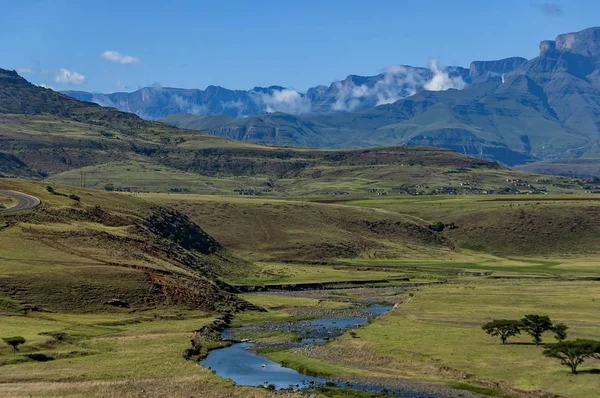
(547, 45)
(480, 69)
(585, 42)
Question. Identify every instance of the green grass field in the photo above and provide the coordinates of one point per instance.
(109, 354)
(436, 336)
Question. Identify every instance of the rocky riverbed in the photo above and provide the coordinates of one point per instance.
(242, 361)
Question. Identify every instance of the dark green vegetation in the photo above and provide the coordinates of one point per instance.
(503, 328)
(570, 353)
(560, 331)
(573, 353)
(14, 342)
(545, 108)
(536, 325)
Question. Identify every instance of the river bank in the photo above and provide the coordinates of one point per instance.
(242, 362)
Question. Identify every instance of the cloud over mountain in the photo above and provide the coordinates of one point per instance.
(115, 56)
(66, 76)
(286, 100)
(442, 80)
(350, 94)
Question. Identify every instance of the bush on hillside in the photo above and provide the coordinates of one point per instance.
(503, 328)
(535, 326)
(573, 353)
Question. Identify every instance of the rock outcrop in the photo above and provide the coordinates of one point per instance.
(585, 42)
(480, 69)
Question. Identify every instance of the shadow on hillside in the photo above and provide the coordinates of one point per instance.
(523, 343)
(590, 371)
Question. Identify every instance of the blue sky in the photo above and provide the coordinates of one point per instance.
(71, 44)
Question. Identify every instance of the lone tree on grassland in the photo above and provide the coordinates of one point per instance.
(573, 353)
(560, 331)
(536, 325)
(14, 342)
(504, 328)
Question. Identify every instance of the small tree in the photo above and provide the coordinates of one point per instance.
(14, 342)
(560, 331)
(536, 325)
(504, 328)
(573, 353)
(109, 187)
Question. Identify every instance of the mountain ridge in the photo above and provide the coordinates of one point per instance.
(352, 93)
(546, 108)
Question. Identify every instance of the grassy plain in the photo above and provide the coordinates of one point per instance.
(436, 335)
(109, 354)
(433, 336)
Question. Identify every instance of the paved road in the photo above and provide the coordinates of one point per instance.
(24, 201)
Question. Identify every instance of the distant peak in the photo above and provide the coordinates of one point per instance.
(9, 73)
(585, 42)
(506, 65)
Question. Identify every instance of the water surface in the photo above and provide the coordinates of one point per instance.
(249, 369)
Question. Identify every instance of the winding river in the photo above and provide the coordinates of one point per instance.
(246, 368)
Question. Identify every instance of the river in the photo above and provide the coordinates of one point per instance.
(247, 368)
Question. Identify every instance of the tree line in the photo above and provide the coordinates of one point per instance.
(570, 353)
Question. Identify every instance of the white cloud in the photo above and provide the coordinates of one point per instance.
(120, 84)
(46, 86)
(186, 107)
(239, 106)
(286, 100)
(115, 56)
(25, 71)
(66, 76)
(395, 83)
(103, 100)
(442, 80)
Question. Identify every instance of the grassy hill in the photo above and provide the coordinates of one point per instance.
(294, 231)
(102, 247)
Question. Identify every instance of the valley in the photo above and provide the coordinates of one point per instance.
(400, 257)
(446, 284)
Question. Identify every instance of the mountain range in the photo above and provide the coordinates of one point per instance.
(353, 93)
(513, 110)
(48, 135)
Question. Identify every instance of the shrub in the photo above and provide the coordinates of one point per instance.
(560, 331)
(503, 328)
(437, 227)
(15, 342)
(573, 353)
(536, 325)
